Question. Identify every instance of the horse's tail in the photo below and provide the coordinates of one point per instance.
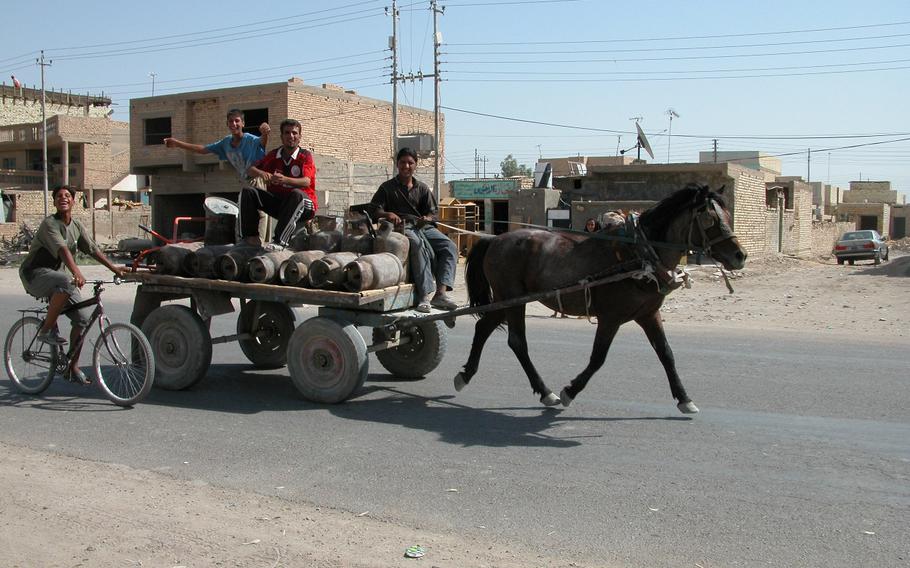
(479, 292)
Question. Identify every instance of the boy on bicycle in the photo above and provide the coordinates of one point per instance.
(42, 275)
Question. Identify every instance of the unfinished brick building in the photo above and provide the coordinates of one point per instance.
(349, 135)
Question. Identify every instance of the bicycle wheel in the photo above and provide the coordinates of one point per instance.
(123, 364)
(30, 364)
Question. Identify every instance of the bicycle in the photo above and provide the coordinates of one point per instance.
(121, 358)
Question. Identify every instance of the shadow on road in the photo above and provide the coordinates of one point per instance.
(897, 267)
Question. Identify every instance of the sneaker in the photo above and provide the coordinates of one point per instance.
(272, 247)
(424, 307)
(443, 302)
(51, 338)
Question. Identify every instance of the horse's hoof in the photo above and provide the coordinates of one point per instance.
(460, 383)
(565, 398)
(687, 407)
(550, 400)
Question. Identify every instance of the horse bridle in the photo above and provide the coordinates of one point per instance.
(706, 223)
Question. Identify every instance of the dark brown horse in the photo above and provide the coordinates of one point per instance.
(529, 261)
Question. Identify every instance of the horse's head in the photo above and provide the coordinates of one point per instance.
(696, 218)
(710, 231)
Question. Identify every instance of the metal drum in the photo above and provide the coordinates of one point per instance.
(220, 221)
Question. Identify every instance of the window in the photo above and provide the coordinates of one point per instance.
(7, 208)
(75, 154)
(156, 130)
(9, 163)
(253, 117)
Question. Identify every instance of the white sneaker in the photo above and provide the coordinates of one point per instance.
(443, 302)
(272, 247)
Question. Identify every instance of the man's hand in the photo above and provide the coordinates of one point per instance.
(170, 142)
(79, 279)
(264, 129)
(118, 271)
(394, 218)
(278, 178)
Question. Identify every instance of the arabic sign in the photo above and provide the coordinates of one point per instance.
(483, 189)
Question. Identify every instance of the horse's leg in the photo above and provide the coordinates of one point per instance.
(654, 330)
(606, 331)
(485, 326)
(518, 342)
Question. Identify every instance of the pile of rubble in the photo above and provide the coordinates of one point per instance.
(902, 245)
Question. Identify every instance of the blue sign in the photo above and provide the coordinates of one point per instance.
(483, 189)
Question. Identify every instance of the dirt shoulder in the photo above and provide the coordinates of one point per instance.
(61, 511)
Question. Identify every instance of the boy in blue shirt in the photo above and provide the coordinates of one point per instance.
(240, 148)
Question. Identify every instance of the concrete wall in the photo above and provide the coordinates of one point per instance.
(107, 225)
(900, 212)
(18, 106)
(790, 232)
(530, 206)
(851, 212)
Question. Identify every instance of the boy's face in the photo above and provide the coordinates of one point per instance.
(406, 166)
(290, 136)
(63, 201)
(235, 125)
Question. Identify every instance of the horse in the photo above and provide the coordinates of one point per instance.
(531, 261)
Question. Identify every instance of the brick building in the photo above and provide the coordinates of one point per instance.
(764, 226)
(349, 135)
(85, 149)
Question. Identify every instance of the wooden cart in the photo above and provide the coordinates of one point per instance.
(326, 355)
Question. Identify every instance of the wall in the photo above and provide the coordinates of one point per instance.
(530, 206)
(824, 234)
(107, 226)
(18, 106)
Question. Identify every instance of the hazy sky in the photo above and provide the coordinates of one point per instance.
(779, 77)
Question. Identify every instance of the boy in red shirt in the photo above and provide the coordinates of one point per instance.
(290, 197)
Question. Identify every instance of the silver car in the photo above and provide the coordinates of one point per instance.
(860, 245)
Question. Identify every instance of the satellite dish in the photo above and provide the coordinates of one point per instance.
(220, 206)
(643, 140)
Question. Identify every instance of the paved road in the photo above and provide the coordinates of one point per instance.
(800, 457)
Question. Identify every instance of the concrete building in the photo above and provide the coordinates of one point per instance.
(751, 159)
(349, 135)
(873, 205)
(85, 149)
(764, 225)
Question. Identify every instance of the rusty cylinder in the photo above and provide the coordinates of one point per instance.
(295, 270)
(234, 264)
(328, 271)
(361, 244)
(264, 268)
(388, 240)
(373, 271)
(170, 257)
(326, 241)
(201, 263)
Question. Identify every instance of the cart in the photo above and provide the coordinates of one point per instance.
(326, 356)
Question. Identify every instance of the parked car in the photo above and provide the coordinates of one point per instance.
(860, 245)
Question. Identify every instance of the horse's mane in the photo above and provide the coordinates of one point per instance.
(657, 219)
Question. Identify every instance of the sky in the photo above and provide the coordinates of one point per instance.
(821, 85)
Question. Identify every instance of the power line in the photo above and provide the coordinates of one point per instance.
(680, 38)
(213, 30)
(699, 136)
(681, 48)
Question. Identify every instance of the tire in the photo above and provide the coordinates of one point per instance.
(851, 262)
(877, 259)
(123, 363)
(420, 356)
(274, 323)
(29, 364)
(327, 360)
(840, 261)
(181, 345)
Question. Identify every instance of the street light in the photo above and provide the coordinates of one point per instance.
(672, 114)
(153, 75)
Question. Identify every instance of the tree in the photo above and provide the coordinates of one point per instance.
(511, 168)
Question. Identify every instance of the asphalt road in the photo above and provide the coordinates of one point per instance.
(800, 456)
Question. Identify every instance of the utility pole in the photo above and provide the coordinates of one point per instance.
(393, 43)
(437, 41)
(476, 164)
(809, 165)
(40, 61)
(153, 75)
(484, 167)
(715, 150)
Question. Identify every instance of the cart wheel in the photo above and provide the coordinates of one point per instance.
(327, 360)
(274, 324)
(182, 346)
(420, 356)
